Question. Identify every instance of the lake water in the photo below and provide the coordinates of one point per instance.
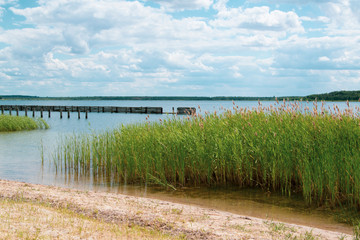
(20, 160)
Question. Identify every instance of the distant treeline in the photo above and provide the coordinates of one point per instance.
(332, 96)
(166, 98)
(336, 96)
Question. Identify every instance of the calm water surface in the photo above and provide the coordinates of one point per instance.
(20, 160)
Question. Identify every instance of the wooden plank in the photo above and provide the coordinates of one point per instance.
(123, 109)
(138, 110)
(154, 110)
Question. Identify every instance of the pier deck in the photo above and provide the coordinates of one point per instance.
(87, 109)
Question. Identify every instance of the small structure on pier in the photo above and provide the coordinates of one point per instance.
(186, 110)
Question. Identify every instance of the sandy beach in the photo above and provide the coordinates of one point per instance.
(174, 220)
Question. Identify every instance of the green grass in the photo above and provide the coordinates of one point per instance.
(284, 148)
(18, 123)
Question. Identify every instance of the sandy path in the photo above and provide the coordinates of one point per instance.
(187, 221)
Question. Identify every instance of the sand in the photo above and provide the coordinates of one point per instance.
(186, 221)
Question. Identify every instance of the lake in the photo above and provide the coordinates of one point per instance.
(20, 160)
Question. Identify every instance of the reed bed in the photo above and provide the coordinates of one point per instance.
(10, 123)
(286, 147)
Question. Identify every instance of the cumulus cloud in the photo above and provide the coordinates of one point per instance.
(337, 53)
(317, 19)
(88, 24)
(295, 2)
(113, 47)
(340, 14)
(181, 5)
(257, 18)
(187, 61)
(30, 43)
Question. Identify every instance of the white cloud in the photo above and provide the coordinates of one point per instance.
(343, 15)
(4, 2)
(181, 5)
(54, 64)
(84, 25)
(317, 19)
(77, 38)
(187, 61)
(220, 5)
(4, 76)
(258, 18)
(296, 2)
(116, 47)
(324, 59)
(338, 53)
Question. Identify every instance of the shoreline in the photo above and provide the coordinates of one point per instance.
(175, 219)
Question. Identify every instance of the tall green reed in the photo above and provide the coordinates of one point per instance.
(18, 123)
(285, 147)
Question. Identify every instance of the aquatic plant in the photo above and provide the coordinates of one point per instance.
(17, 123)
(285, 147)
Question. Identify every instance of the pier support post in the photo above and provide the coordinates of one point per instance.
(68, 113)
(2, 110)
(10, 111)
(60, 114)
(86, 114)
(78, 113)
(41, 113)
(17, 111)
(49, 113)
(33, 112)
(25, 111)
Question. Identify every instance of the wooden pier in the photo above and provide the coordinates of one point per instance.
(86, 109)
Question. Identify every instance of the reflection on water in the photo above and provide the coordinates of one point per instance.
(20, 160)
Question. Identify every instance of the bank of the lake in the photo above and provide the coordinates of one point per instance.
(150, 218)
(20, 160)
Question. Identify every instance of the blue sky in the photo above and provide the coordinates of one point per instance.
(179, 47)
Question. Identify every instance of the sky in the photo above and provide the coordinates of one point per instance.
(179, 47)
